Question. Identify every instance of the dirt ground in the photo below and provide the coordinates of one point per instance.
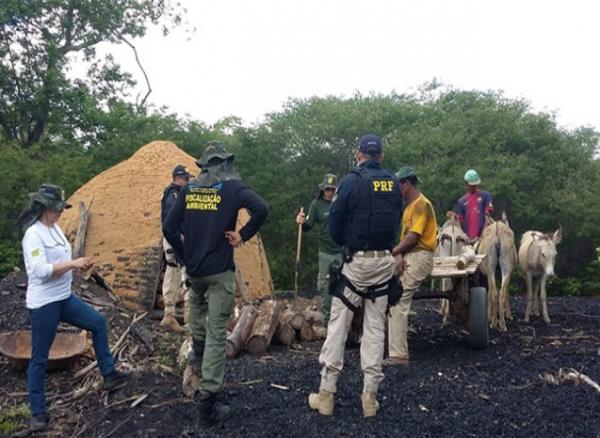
(449, 390)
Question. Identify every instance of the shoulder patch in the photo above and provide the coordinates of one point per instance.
(36, 252)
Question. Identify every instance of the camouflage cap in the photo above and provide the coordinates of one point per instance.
(214, 149)
(50, 196)
(407, 172)
(329, 182)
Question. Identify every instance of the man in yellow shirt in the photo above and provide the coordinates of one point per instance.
(414, 259)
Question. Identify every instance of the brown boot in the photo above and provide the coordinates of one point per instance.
(370, 405)
(322, 402)
(169, 322)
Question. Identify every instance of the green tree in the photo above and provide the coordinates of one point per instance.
(38, 42)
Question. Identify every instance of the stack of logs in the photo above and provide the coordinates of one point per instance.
(255, 327)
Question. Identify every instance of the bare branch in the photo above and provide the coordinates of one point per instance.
(137, 59)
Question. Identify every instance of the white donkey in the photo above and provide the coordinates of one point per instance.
(498, 243)
(451, 241)
(537, 255)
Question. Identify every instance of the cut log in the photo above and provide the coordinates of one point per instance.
(233, 319)
(467, 255)
(297, 320)
(313, 317)
(285, 334)
(320, 332)
(307, 333)
(84, 217)
(264, 327)
(241, 331)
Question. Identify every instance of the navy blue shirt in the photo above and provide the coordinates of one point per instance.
(202, 215)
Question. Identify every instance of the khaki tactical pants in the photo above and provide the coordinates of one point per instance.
(362, 272)
(211, 304)
(173, 283)
(419, 268)
(325, 260)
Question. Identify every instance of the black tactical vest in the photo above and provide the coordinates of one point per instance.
(374, 221)
(165, 200)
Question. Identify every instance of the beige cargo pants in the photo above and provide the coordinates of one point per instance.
(363, 272)
(419, 265)
(173, 288)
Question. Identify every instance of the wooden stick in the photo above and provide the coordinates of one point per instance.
(298, 248)
(118, 344)
(577, 377)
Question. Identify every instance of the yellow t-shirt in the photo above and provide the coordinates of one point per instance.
(419, 218)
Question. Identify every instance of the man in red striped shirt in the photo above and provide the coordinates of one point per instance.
(473, 206)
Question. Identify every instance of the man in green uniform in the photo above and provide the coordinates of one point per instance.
(318, 214)
(205, 213)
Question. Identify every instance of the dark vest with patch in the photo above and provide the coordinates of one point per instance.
(374, 221)
(169, 196)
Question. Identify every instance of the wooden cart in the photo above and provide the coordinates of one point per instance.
(468, 301)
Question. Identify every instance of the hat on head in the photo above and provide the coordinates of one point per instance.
(214, 149)
(181, 170)
(370, 144)
(472, 177)
(329, 182)
(407, 172)
(50, 196)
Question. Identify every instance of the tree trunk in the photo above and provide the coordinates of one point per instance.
(241, 331)
(264, 327)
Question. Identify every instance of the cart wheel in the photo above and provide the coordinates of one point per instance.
(478, 322)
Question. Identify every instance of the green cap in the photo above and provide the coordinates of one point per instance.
(329, 182)
(472, 178)
(407, 172)
(214, 149)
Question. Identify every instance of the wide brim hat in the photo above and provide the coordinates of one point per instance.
(214, 149)
(50, 196)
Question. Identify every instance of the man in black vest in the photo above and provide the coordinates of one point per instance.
(206, 214)
(364, 218)
(173, 279)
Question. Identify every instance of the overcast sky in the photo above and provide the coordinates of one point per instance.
(247, 57)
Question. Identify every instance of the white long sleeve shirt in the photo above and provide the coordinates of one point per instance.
(43, 247)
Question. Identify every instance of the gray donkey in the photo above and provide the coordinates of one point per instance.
(537, 255)
(498, 243)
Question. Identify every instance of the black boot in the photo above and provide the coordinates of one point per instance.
(115, 380)
(38, 423)
(196, 354)
(210, 413)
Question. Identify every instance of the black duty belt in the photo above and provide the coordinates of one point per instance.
(371, 293)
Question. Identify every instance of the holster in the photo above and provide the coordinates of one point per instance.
(394, 291)
(335, 279)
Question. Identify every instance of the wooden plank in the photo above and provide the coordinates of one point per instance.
(84, 217)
